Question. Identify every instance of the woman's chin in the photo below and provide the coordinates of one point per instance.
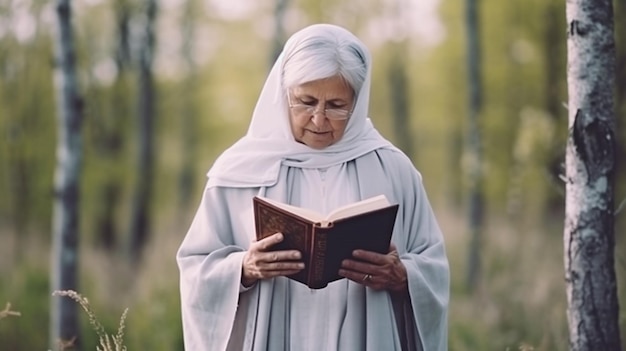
(316, 140)
(317, 143)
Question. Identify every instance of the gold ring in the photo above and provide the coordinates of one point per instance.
(367, 277)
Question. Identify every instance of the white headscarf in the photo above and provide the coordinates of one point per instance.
(256, 158)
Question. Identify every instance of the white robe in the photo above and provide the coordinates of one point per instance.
(219, 315)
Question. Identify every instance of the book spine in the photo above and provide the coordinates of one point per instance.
(318, 258)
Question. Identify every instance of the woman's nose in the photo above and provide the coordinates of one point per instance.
(319, 117)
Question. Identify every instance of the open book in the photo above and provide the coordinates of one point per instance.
(325, 241)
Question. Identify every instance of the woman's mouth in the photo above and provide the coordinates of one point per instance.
(318, 132)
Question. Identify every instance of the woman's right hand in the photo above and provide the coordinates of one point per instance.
(259, 263)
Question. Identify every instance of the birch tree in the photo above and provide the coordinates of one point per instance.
(474, 151)
(589, 240)
(64, 314)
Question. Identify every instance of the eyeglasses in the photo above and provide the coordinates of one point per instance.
(301, 110)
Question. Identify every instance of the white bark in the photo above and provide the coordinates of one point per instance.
(589, 240)
(64, 312)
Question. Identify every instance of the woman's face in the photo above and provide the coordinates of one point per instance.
(325, 97)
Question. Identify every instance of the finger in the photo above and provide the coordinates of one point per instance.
(280, 255)
(265, 271)
(270, 241)
(370, 256)
(283, 266)
(360, 267)
(356, 276)
(392, 247)
(361, 278)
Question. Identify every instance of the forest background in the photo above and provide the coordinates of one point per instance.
(210, 61)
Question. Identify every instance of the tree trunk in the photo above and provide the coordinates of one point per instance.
(278, 39)
(142, 202)
(474, 151)
(399, 99)
(189, 125)
(110, 141)
(589, 240)
(64, 324)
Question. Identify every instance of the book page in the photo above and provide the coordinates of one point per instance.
(367, 205)
(302, 212)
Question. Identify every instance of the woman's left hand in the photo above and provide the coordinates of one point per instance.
(377, 271)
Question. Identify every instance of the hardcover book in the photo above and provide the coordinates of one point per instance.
(325, 241)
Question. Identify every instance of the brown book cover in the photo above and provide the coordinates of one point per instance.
(324, 244)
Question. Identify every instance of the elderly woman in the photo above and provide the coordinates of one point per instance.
(311, 144)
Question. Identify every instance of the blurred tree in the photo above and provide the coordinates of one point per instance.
(516, 97)
(535, 98)
(398, 77)
(189, 123)
(25, 166)
(589, 240)
(474, 150)
(110, 124)
(398, 87)
(64, 324)
(278, 38)
(142, 202)
(446, 63)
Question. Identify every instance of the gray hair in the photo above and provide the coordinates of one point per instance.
(323, 55)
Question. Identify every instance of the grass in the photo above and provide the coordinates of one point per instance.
(107, 342)
(8, 312)
(520, 302)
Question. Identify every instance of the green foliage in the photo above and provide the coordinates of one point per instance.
(520, 301)
(28, 291)
(27, 126)
(106, 341)
(158, 312)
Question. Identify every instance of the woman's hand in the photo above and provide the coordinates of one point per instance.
(377, 271)
(259, 263)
